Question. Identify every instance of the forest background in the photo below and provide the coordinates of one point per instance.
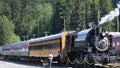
(25, 19)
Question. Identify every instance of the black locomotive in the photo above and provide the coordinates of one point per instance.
(94, 45)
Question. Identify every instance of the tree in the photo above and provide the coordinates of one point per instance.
(78, 15)
(38, 16)
(62, 14)
(7, 31)
(43, 15)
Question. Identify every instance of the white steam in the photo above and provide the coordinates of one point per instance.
(111, 15)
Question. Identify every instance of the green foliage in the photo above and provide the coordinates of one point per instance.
(38, 16)
(78, 15)
(7, 31)
(27, 14)
(43, 17)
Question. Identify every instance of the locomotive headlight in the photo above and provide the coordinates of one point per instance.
(103, 34)
(103, 44)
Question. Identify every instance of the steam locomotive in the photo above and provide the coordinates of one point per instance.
(85, 46)
(95, 44)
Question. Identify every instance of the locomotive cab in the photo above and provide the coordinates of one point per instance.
(80, 41)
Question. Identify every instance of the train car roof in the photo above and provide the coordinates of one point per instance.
(115, 34)
(19, 43)
(84, 31)
(15, 44)
(56, 36)
(82, 34)
(51, 37)
(6, 46)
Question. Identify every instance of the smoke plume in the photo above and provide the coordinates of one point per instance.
(110, 16)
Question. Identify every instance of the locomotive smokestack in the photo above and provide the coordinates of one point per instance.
(100, 27)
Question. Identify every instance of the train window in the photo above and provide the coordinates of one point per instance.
(5, 49)
(52, 46)
(46, 46)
